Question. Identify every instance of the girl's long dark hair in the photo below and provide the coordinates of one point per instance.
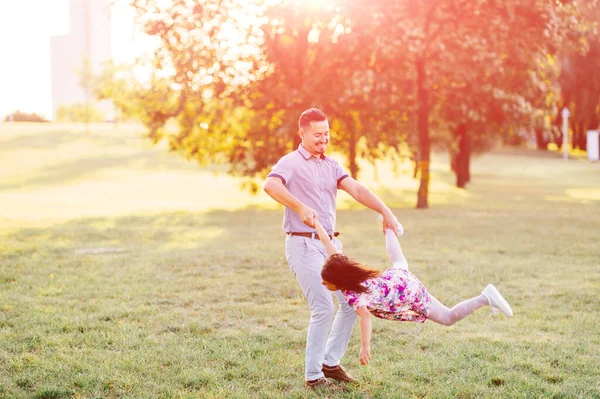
(347, 274)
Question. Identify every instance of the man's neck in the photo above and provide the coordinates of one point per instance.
(318, 156)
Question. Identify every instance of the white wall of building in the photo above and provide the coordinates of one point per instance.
(89, 38)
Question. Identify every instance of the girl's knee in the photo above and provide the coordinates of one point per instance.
(444, 321)
(441, 317)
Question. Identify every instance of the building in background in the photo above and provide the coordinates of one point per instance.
(88, 42)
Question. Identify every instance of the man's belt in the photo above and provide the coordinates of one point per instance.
(312, 235)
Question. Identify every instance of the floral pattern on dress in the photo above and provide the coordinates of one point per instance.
(396, 294)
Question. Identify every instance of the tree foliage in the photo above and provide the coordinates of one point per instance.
(395, 77)
(580, 77)
(19, 116)
(79, 112)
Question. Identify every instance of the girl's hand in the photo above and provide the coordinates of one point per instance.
(392, 223)
(365, 355)
(365, 334)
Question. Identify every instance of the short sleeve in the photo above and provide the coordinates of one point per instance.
(356, 300)
(340, 173)
(283, 170)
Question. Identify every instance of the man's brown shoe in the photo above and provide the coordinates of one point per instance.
(322, 383)
(338, 373)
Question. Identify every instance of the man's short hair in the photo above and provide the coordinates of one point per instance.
(311, 115)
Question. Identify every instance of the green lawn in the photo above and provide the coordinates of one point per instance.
(127, 271)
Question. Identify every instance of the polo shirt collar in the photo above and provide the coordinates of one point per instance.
(305, 152)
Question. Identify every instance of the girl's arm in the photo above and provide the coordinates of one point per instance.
(365, 335)
(394, 250)
(324, 237)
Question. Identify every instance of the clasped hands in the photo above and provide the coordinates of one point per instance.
(309, 217)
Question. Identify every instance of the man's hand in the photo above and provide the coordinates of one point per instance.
(308, 216)
(390, 222)
(365, 355)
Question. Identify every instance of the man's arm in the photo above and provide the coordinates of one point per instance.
(366, 197)
(365, 334)
(276, 190)
(324, 237)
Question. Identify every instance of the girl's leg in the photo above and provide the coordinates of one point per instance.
(442, 315)
(394, 251)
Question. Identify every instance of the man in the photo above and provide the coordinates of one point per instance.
(306, 182)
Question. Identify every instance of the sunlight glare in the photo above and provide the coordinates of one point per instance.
(316, 4)
(25, 27)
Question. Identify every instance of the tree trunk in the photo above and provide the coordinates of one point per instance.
(415, 162)
(582, 144)
(560, 139)
(576, 126)
(468, 152)
(423, 130)
(556, 133)
(579, 136)
(468, 161)
(463, 157)
(452, 160)
(541, 141)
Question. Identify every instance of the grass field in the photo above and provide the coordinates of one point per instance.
(126, 271)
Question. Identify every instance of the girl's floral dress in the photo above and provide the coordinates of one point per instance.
(395, 295)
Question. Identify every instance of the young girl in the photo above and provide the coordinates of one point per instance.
(395, 294)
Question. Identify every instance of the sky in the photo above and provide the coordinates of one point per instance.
(25, 30)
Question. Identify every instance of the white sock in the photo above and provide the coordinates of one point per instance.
(394, 250)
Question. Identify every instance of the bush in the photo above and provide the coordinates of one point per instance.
(19, 116)
(78, 113)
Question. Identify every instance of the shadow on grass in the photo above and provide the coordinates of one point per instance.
(48, 139)
(217, 229)
(222, 229)
(52, 136)
(80, 169)
(71, 171)
(211, 293)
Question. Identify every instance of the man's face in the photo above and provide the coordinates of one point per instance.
(315, 137)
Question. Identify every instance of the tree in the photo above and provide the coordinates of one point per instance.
(18, 116)
(477, 69)
(205, 49)
(316, 60)
(235, 75)
(79, 112)
(579, 78)
(301, 57)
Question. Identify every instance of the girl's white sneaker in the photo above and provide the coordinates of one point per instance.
(497, 301)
